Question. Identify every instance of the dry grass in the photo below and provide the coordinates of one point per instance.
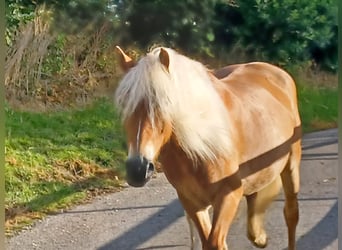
(23, 66)
(317, 78)
(84, 67)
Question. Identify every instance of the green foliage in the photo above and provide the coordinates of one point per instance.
(285, 32)
(183, 24)
(56, 61)
(76, 15)
(289, 32)
(16, 12)
(70, 16)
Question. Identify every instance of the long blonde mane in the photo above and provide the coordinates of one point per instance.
(184, 96)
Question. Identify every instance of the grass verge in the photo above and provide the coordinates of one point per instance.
(318, 107)
(60, 158)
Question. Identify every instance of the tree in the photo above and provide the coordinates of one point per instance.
(286, 32)
(184, 24)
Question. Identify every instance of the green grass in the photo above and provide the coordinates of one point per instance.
(318, 107)
(54, 159)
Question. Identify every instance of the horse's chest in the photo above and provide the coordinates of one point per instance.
(193, 183)
(188, 183)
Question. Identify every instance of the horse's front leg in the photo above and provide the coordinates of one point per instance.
(225, 207)
(196, 243)
(199, 222)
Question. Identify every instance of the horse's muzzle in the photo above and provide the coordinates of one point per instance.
(138, 171)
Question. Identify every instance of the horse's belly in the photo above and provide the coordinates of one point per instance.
(256, 177)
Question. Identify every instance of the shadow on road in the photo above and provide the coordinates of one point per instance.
(319, 237)
(160, 247)
(109, 209)
(147, 229)
(323, 156)
(316, 142)
(322, 234)
(320, 143)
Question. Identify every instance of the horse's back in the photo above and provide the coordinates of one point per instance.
(257, 83)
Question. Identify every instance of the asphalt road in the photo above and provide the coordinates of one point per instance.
(152, 217)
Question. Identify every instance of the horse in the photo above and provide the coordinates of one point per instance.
(218, 135)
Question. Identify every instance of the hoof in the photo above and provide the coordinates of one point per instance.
(260, 241)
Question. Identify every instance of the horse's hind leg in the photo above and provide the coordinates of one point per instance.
(291, 182)
(257, 204)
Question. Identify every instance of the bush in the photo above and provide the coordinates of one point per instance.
(289, 31)
(284, 32)
(41, 55)
(17, 12)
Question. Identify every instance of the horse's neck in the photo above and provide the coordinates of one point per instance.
(174, 160)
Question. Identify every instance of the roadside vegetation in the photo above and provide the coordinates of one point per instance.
(58, 158)
(318, 107)
(64, 141)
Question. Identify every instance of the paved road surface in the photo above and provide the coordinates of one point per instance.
(152, 218)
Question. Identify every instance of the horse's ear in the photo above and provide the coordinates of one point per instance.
(125, 61)
(164, 58)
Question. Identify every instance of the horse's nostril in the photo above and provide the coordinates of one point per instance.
(150, 166)
(149, 170)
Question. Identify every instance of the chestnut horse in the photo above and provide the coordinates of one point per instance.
(219, 136)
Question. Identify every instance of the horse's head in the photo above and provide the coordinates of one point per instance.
(145, 134)
(145, 139)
